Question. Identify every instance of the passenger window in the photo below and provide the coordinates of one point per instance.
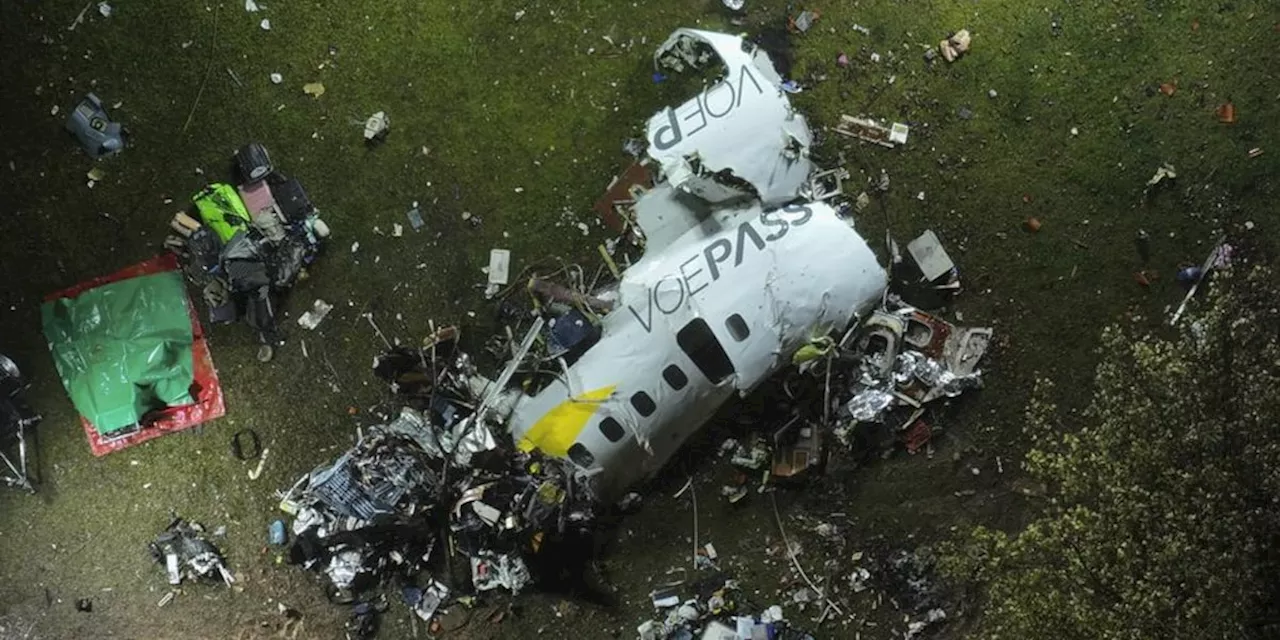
(580, 456)
(612, 430)
(737, 327)
(697, 341)
(675, 377)
(643, 403)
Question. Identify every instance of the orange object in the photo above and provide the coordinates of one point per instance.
(1227, 113)
(1144, 277)
(351, 411)
(1026, 197)
(1032, 224)
(1168, 88)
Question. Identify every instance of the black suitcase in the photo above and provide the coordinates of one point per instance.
(292, 199)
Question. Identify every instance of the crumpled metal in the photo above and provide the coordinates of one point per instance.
(913, 364)
(868, 405)
(413, 425)
(430, 600)
(490, 571)
(471, 437)
(344, 567)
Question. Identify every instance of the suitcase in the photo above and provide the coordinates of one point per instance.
(292, 199)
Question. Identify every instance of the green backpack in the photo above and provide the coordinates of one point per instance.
(222, 210)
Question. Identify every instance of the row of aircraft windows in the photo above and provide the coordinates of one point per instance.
(700, 344)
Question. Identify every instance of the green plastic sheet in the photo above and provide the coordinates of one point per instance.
(123, 349)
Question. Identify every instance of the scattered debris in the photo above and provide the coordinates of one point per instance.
(265, 24)
(251, 6)
(1163, 172)
(16, 417)
(871, 131)
(415, 217)
(618, 202)
(104, 9)
(276, 533)
(1032, 224)
(917, 627)
(825, 185)
(955, 45)
(186, 555)
(499, 266)
(930, 256)
(862, 202)
(1168, 88)
(93, 128)
(238, 441)
(79, 18)
(313, 89)
(804, 21)
(1219, 257)
(1255, 152)
(255, 472)
(1227, 113)
(376, 127)
(276, 78)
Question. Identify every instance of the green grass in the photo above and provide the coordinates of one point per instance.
(543, 104)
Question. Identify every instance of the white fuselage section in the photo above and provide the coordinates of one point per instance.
(714, 312)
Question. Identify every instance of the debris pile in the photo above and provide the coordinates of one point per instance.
(715, 600)
(249, 244)
(186, 555)
(16, 417)
(908, 359)
(618, 366)
(432, 481)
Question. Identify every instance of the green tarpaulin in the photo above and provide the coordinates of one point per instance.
(123, 349)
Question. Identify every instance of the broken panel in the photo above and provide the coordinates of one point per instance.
(737, 139)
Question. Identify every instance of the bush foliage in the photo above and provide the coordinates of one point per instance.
(1161, 513)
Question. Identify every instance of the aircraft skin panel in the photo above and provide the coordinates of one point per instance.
(742, 125)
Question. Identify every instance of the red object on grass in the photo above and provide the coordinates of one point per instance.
(917, 436)
(204, 388)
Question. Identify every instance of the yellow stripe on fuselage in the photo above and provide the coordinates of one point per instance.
(557, 430)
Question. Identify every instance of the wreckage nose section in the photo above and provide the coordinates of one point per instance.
(739, 138)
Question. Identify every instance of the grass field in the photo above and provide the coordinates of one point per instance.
(520, 121)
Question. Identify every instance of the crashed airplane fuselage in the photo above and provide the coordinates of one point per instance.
(738, 273)
(714, 313)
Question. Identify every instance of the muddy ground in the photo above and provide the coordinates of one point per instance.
(516, 112)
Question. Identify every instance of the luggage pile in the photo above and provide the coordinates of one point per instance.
(248, 244)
